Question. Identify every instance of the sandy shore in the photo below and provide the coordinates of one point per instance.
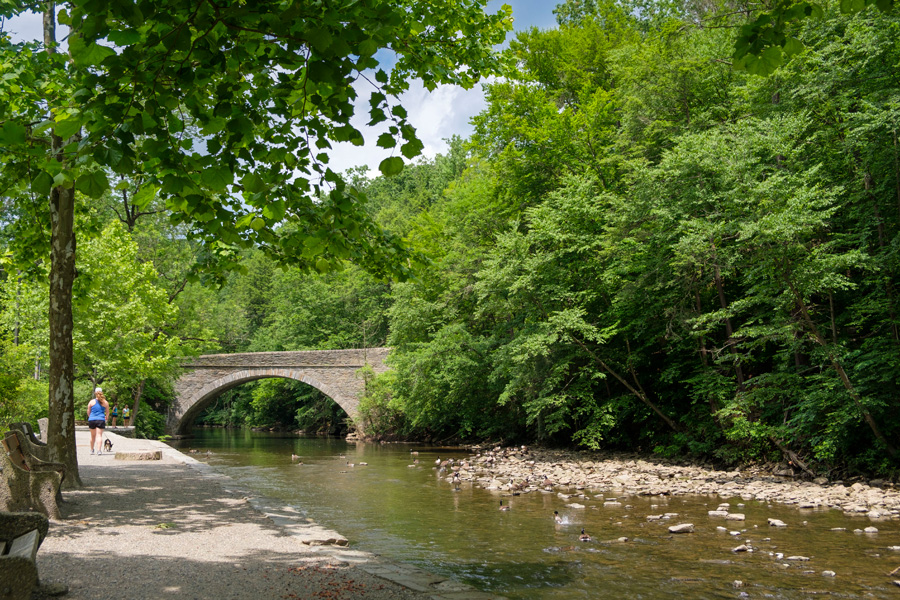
(174, 528)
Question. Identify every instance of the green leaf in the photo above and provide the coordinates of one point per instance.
(217, 178)
(391, 166)
(274, 210)
(320, 39)
(367, 47)
(42, 183)
(766, 63)
(244, 221)
(92, 55)
(124, 38)
(12, 133)
(412, 148)
(67, 128)
(257, 224)
(792, 46)
(386, 140)
(93, 184)
(145, 195)
(253, 183)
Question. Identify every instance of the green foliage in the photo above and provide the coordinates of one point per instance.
(149, 424)
(21, 398)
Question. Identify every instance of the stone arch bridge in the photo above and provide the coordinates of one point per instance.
(334, 372)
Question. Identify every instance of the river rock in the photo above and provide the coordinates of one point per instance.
(741, 548)
(734, 517)
(718, 513)
(829, 573)
(800, 558)
(574, 505)
(777, 523)
(682, 528)
(871, 530)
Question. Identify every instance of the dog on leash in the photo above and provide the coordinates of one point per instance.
(107, 445)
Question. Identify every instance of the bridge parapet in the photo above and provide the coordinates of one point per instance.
(298, 358)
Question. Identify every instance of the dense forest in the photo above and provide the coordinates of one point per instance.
(640, 247)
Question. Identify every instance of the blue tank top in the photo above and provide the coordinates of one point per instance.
(98, 413)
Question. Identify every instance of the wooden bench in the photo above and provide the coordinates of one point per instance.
(28, 483)
(21, 535)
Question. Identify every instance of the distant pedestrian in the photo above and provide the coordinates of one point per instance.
(115, 413)
(97, 414)
(126, 416)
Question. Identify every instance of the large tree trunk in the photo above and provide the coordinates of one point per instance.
(61, 422)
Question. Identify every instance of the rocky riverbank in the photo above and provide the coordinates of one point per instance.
(520, 470)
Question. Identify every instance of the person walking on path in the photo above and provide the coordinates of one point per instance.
(98, 413)
(115, 413)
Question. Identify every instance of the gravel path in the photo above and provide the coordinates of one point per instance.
(173, 528)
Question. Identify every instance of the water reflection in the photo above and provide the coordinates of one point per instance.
(403, 510)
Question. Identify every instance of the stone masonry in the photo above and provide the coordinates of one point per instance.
(334, 372)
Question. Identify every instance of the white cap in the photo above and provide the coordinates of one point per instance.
(98, 389)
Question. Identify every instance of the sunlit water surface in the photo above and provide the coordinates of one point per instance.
(411, 515)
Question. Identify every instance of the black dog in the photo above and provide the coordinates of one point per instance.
(107, 445)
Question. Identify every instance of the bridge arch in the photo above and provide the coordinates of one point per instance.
(336, 373)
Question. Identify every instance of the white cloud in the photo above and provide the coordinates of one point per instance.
(436, 115)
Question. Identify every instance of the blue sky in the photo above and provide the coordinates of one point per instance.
(436, 115)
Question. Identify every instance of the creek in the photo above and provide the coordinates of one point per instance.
(411, 515)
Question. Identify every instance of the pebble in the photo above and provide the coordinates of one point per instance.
(734, 517)
(741, 548)
(777, 523)
(682, 528)
(871, 530)
(802, 558)
(829, 573)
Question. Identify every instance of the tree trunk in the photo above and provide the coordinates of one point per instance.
(61, 421)
(639, 393)
(138, 392)
(839, 369)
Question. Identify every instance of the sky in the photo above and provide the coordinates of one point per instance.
(436, 115)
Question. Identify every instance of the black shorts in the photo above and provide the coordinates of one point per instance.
(98, 424)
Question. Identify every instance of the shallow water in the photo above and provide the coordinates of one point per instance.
(410, 515)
